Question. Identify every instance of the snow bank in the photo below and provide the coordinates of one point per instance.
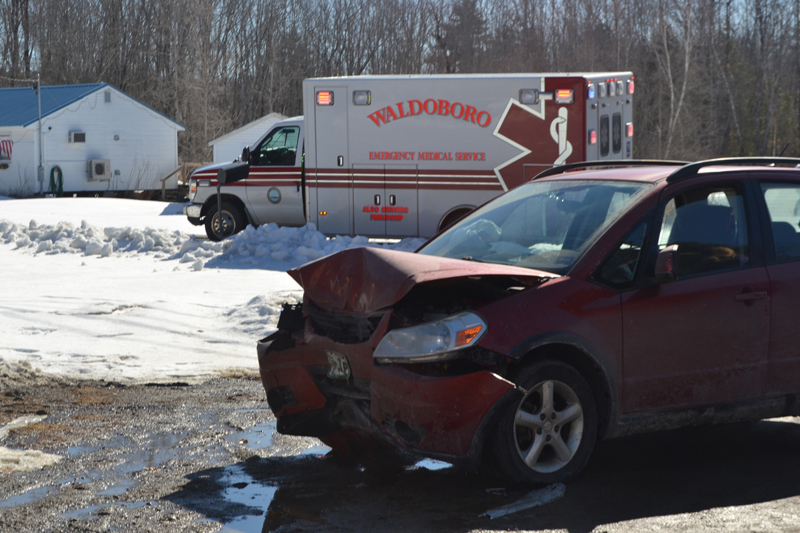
(261, 247)
(123, 291)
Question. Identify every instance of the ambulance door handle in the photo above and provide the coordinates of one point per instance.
(392, 199)
(298, 186)
(377, 199)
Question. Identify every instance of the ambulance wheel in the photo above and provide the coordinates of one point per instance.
(232, 221)
(453, 217)
(549, 434)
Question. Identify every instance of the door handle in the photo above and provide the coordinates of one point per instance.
(377, 199)
(298, 186)
(392, 199)
(751, 296)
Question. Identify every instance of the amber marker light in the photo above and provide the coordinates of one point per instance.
(323, 213)
(465, 336)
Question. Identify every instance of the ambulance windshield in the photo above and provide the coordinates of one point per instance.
(542, 225)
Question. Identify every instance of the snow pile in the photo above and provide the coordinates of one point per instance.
(23, 460)
(87, 239)
(256, 247)
(252, 248)
(261, 313)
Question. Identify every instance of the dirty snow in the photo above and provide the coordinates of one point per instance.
(129, 291)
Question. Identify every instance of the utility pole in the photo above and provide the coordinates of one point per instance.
(41, 158)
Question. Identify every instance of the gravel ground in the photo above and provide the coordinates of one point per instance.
(205, 457)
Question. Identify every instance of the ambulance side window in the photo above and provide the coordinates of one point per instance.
(616, 133)
(279, 148)
(604, 136)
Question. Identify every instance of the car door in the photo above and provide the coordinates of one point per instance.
(701, 338)
(781, 203)
(274, 185)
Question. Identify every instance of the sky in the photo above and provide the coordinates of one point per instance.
(129, 291)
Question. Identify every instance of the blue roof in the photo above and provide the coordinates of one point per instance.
(20, 106)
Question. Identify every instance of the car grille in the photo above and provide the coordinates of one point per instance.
(340, 327)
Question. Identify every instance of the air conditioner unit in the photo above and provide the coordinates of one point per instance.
(98, 170)
(77, 137)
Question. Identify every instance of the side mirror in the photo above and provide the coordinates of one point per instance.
(666, 264)
(232, 173)
(245, 155)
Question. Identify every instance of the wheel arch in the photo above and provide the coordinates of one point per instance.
(231, 198)
(581, 355)
(453, 215)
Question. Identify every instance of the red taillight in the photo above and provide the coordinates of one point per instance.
(324, 98)
(592, 137)
(630, 86)
(629, 129)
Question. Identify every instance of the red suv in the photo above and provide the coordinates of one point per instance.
(586, 304)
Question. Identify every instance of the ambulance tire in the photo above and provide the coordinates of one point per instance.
(453, 217)
(548, 436)
(234, 220)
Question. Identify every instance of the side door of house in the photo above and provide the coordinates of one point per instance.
(702, 338)
(275, 182)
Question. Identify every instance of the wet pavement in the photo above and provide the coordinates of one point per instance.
(207, 458)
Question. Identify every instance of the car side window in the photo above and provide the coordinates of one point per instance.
(619, 270)
(279, 148)
(783, 204)
(708, 226)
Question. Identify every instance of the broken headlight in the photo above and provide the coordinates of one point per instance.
(435, 341)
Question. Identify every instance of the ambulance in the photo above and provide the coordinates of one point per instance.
(405, 156)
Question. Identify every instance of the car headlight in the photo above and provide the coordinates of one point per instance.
(435, 341)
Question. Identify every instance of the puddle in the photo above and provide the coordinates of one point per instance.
(243, 489)
(31, 496)
(429, 464)
(91, 511)
(152, 454)
(318, 450)
(118, 489)
(257, 437)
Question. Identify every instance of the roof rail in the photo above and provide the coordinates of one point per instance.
(608, 163)
(692, 169)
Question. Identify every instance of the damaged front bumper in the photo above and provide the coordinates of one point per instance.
(446, 417)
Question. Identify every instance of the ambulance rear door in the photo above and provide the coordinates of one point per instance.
(612, 109)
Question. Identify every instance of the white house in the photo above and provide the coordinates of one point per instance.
(229, 146)
(100, 138)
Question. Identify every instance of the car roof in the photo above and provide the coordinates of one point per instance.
(672, 171)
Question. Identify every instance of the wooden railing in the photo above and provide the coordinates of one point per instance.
(183, 171)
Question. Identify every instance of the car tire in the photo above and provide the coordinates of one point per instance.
(548, 435)
(232, 216)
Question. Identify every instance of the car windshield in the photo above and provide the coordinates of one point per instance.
(543, 225)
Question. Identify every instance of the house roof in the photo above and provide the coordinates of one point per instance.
(20, 106)
(267, 119)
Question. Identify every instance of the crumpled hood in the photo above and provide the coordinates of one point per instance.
(364, 280)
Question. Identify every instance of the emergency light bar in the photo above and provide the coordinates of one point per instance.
(590, 91)
(324, 98)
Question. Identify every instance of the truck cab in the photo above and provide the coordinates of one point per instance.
(274, 190)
